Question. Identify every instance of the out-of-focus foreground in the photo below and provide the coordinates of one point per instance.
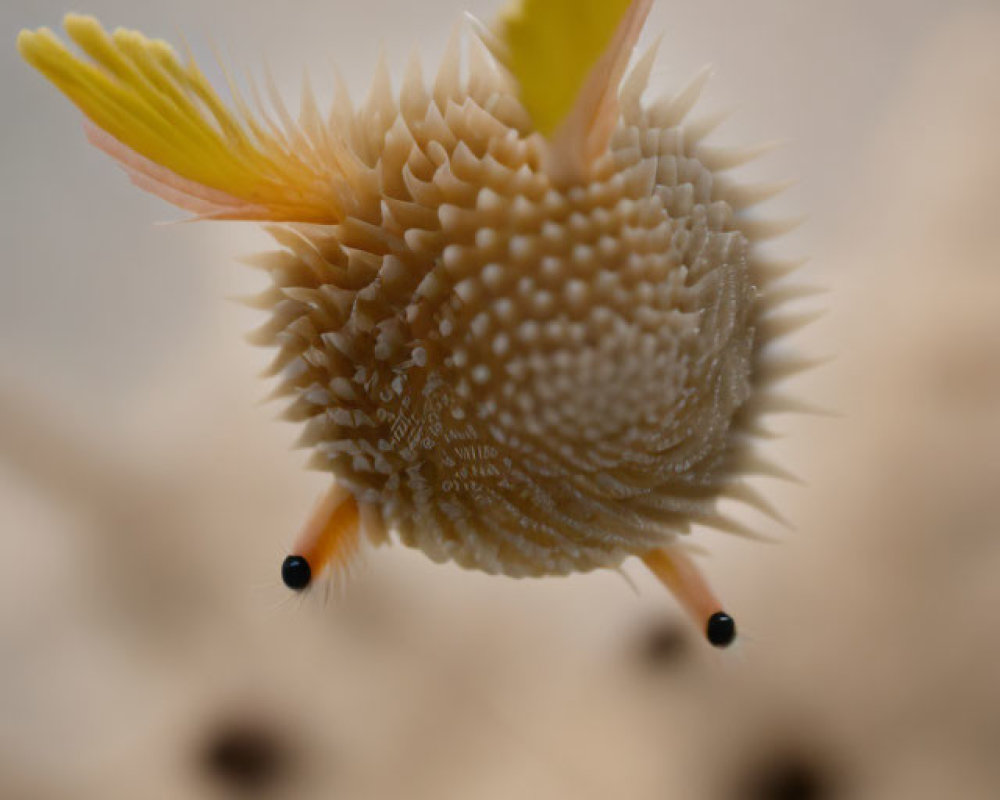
(147, 648)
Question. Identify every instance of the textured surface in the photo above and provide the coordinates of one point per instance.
(521, 377)
(872, 641)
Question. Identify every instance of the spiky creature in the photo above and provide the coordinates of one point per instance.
(517, 312)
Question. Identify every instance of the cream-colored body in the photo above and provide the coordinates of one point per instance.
(521, 377)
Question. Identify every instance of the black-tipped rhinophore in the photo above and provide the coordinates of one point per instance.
(721, 629)
(296, 573)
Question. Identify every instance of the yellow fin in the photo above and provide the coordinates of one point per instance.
(568, 58)
(552, 46)
(168, 127)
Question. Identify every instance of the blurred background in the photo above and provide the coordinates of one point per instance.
(147, 648)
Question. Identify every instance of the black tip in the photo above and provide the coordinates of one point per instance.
(296, 573)
(721, 629)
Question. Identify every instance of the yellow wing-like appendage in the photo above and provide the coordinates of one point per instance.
(552, 46)
(168, 127)
(568, 58)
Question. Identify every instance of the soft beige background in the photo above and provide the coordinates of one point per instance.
(147, 648)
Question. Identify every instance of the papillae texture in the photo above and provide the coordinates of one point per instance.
(522, 377)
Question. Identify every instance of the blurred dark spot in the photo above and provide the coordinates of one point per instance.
(663, 644)
(248, 757)
(788, 775)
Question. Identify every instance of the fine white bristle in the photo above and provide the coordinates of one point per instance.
(672, 113)
(746, 494)
(763, 229)
(743, 196)
(719, 159)
(770, 270)
(777, 326)
(636, 82)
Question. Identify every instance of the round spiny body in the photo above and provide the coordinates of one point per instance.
(522, 377)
